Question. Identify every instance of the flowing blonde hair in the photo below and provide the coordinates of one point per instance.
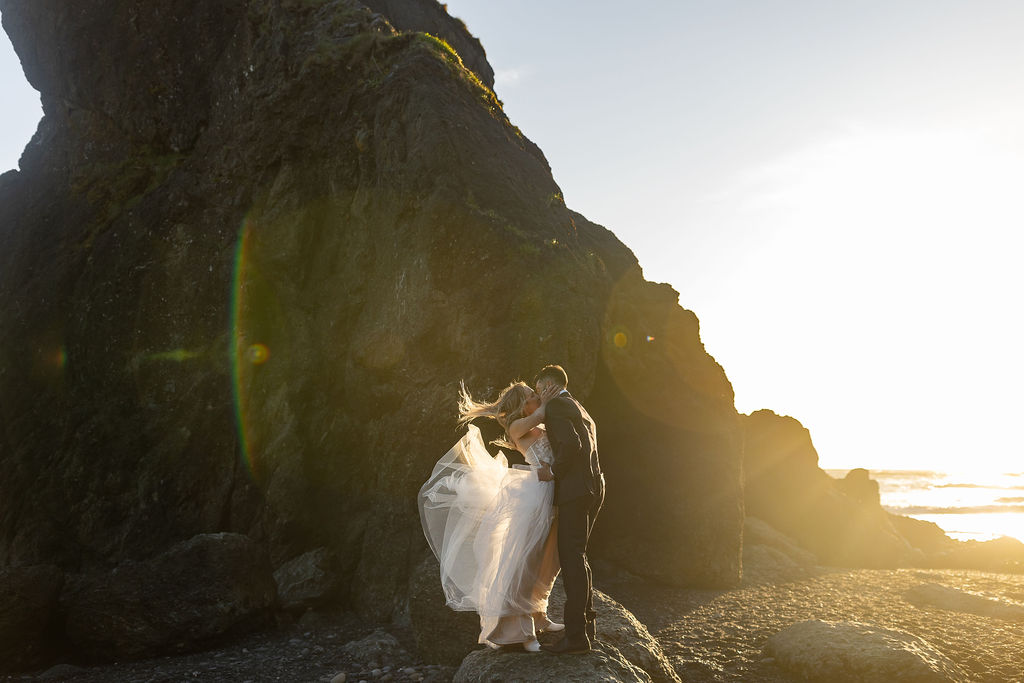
(505, 410)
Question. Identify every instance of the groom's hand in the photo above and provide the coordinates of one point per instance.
(544, 473)
(549, 393)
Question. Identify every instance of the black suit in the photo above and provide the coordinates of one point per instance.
(579, 494)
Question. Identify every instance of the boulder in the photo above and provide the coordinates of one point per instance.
(308, 580)
(860, 487)
(619, 628)
(442, 635)
(850, 652)
(28, 615)
(210, 586)
(605, 663)
(943, 597)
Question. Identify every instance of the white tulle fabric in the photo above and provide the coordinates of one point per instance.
(492, 530)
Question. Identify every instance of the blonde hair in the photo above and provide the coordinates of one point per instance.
(505, 410)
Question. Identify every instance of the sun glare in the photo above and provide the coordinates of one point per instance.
(902, 248)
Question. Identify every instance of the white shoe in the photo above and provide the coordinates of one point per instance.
(554, 627)
(492, 645)
(532, 645)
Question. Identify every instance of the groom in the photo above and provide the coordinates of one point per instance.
(579, 493)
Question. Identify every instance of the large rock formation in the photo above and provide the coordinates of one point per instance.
(250, 252)
(786, 488)
(842, 520)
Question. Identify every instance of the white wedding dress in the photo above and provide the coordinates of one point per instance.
(492, 529)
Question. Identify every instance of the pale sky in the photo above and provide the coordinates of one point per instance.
(834, 189)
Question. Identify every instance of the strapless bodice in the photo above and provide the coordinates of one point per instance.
(539, 452)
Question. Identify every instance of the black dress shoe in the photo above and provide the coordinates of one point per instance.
(565, 647)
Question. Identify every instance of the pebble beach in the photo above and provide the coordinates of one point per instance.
(975, 619)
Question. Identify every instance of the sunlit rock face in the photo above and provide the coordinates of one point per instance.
(839, 521)
(251, 251)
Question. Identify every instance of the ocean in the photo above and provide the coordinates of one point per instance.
(969, 506)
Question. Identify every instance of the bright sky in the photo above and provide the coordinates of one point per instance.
(834, 188)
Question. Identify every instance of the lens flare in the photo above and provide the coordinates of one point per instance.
(257, 354)
(238, 350)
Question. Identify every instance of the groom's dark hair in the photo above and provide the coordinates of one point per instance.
(555, 373)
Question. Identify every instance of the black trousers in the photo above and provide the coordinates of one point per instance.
(575, 522)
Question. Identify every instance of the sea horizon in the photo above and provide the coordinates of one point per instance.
(978, 506)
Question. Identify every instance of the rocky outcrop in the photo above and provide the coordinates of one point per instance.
(618, 628)
(208, 587)
(306, 581)
(858, 486)
(851, 652)
(432, 17)
(248, 256)
(842, 524)
(604, 663)
(28, 615)
(842, 521)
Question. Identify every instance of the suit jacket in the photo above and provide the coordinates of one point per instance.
(573, 436)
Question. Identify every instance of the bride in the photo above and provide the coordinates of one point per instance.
(492, 527)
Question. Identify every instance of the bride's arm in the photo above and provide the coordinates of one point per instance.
(520, 427)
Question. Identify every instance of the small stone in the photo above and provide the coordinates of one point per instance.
(387, 677)
(375, 673)
(408, 671)
(340, 678)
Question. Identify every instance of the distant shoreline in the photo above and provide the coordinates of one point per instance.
(979, 506)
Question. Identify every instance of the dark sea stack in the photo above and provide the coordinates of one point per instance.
(250, 252)
(839, 521)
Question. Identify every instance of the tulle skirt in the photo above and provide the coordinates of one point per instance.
(492, 529)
